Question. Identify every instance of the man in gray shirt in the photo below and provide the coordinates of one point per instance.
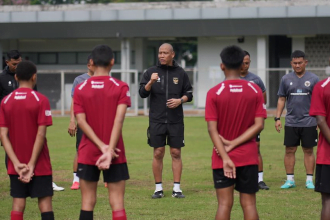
(73, 129)
(296, 90)
(246, 75)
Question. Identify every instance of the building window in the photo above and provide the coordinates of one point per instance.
(82, 57)
(117, 56)
(67, 58)
(47, 58)
(133, 57)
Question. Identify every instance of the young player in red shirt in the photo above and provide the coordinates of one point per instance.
(320, 108)
(100, 105)
(27, 110)
(235, 114)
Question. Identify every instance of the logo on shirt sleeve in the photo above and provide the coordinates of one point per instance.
(264, 106)
(48, 112)
(128, 94)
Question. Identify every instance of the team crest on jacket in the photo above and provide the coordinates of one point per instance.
(175, 80)
(307, 83)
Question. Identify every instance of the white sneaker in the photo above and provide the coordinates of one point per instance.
(57, 188)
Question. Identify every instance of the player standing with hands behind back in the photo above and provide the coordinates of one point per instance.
(100, 105)
(235, 110)
(27, 110)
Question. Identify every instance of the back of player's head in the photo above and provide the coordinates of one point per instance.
(89, 58)
(25, 70)
(102, 55)
(298, 54)
(13, 54)
(232, 57)
(246, 53)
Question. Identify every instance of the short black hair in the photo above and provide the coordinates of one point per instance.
(102, 55)
(25, 70)
(89, 58)
(13, 54)
(246, 53)
(298, 54)
(232, 57)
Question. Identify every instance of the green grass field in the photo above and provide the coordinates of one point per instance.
(200, 202)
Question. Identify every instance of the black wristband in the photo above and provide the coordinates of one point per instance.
(276, 119)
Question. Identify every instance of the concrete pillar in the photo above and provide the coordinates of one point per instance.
(262, 58)
(140, 52)
(125, 59)
(298, 43)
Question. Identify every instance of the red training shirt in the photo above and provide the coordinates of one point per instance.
(98, 97)
(22, 112)
(234, 104)
(320, 105)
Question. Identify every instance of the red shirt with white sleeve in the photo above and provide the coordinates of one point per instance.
(98, 97)
(235, 104)
(22, 112)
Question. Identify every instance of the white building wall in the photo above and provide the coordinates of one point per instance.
(209, 73)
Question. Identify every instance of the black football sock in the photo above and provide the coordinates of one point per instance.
(47, 216)
(86, 215)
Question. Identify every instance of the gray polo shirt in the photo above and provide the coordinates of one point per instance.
(79, 79)
(298, 94)
(255, 79)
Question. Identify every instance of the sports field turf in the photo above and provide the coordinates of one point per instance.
(200, 202)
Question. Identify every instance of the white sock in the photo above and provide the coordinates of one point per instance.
(260, 176)
(159, 187)
(309, 178)
(75, 177)
(290, 177)
(176, 187)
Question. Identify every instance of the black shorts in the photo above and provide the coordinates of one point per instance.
(306, 135)
(246, 179)
(116, 173)
(322, 178)
(38, 187)
(258, 138)
(160, 134)
(79, 135)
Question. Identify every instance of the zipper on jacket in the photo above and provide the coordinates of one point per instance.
(166, 92)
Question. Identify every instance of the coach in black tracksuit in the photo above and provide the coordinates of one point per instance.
(169, 87)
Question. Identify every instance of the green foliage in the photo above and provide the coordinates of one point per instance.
(197, 184)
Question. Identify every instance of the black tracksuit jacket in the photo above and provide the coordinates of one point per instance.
(173, 83)
(8, 83)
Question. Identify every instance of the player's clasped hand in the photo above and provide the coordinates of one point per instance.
(25, 172)
(278, 126)
(229, 169)
(173, 103)
(103, 163)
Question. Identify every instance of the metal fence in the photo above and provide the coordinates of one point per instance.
(57, 86)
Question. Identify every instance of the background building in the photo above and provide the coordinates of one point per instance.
(59, 38)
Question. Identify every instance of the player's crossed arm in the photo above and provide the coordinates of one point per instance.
(20, 168)
(229, 168)
(105, 160)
